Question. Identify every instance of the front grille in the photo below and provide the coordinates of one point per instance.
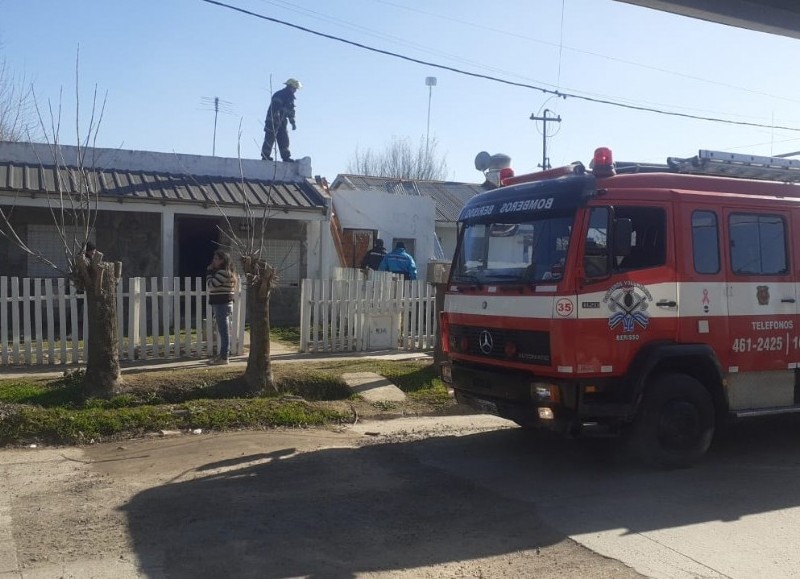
(531, 347)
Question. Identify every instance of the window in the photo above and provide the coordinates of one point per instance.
(410, 243)
(758, 244)
(284, 255)
(513, 253)
(705, 242)
(595, 257)
(45, 239)
(648, 239)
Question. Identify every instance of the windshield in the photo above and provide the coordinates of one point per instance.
(528, 252)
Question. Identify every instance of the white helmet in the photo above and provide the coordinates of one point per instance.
(294, 83)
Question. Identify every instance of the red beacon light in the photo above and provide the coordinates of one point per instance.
(603, 163)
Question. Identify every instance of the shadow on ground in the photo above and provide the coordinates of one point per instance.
(390, 507)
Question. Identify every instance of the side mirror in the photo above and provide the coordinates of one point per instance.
(623, 231)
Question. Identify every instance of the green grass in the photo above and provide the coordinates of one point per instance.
(289, 335)
(60, 412)
(65, 426)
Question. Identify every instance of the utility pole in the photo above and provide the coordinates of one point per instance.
(430, 82)
(545, 119)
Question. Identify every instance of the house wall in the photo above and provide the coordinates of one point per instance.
(393, 216)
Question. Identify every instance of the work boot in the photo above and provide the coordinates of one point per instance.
(263, 158)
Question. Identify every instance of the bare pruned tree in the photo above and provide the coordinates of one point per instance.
(73, 206)
(401, 160)
(17, 117)
(249, 244)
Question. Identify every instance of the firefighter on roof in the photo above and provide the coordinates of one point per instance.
(280, 112)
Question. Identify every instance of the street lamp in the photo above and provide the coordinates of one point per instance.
(430, 82)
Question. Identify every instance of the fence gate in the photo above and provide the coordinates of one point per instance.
(383, 313)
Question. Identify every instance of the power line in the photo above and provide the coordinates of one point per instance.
(557, 93)
(560, 46)
(394, 39)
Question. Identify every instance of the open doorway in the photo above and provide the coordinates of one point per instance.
(197, 239)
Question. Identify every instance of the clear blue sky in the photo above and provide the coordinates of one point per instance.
(157, 60)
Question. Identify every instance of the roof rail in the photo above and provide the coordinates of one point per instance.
(738, 165)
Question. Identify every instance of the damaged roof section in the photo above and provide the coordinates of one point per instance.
(448, 196)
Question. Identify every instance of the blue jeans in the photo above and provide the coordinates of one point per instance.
(222, 313)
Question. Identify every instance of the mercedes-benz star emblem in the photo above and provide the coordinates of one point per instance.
(485, 342)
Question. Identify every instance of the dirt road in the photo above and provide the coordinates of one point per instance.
(364, 501)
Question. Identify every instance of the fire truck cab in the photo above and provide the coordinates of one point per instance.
(649, 301)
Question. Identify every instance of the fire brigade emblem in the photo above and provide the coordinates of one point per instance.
(762, 295)
(627, 301)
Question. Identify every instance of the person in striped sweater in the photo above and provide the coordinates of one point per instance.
(221, 284)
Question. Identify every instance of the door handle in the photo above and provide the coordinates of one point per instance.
(787, 301)
(666, 303)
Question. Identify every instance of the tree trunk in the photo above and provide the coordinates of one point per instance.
(103, 377)
(261, 276)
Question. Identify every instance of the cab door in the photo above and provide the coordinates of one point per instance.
(703, 288)
(627, 301)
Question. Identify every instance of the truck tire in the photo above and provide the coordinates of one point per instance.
(675, 423)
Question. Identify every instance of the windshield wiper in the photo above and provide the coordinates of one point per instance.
(467, 277)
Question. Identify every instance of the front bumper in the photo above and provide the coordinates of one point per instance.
(510, 395)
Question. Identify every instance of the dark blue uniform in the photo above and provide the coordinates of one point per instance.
(281, 111)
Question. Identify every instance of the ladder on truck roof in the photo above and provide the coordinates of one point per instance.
(738, 165)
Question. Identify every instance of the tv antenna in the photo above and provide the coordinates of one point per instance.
(217, 105)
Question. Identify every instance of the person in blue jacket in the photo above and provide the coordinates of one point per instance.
(398, 261)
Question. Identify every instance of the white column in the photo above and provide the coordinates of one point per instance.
(168, 243)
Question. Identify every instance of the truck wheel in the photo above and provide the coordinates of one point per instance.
(675, 424)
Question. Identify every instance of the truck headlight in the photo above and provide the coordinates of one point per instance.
(544, 392)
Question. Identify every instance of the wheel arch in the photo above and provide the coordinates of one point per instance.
(696, 360)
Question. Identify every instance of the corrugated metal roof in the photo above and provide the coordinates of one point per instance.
(449, 196)
(164, 187)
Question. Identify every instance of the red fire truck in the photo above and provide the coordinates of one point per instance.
(649, 301)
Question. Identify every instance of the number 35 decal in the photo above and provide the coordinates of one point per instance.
(564, 307)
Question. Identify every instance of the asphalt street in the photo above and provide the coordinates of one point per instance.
(472, 489)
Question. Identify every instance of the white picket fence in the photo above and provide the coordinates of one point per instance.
(44, 321)
(346, 315)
